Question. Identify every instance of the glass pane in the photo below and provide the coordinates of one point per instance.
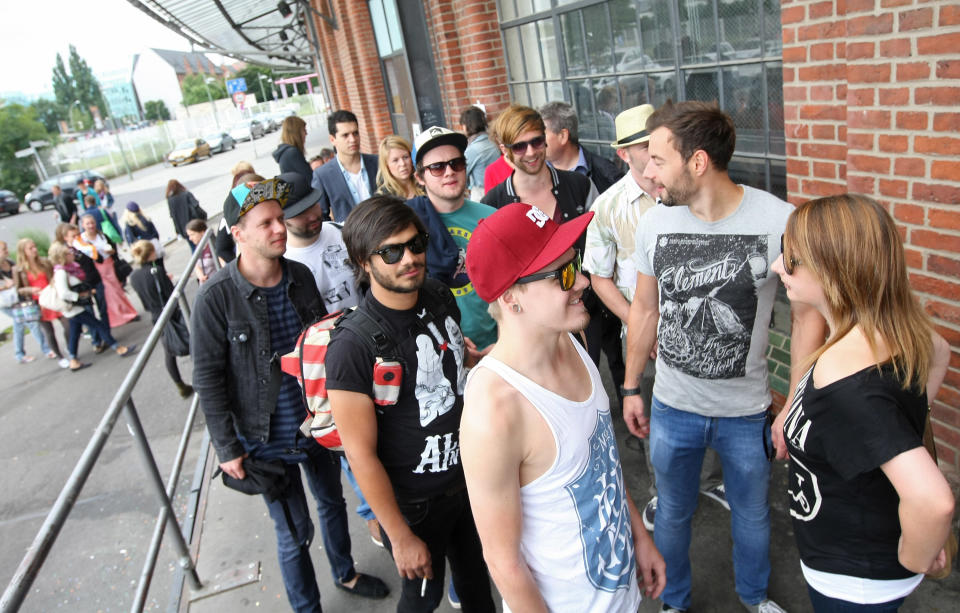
(393, 24)
(524, 8)
(774, 72)
(555, 90)
(548, 43)
(531, 51)
(518, 94)
(628, 53)
(514, 51)
(541, 5)
(744, 102)
(698, 34)
(599, 44)
(508, 10)
(573, 47)
(778, 179)
(607, 106)
(741, 29)
(582, 100)
(657, 33)
(748, 171)
(663, 85)
(702, 85)
(562, 2)
(538, 95)
(772, 31)
(633, 90)
(380, 28)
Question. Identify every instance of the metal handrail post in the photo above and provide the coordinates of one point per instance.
(146, 575)
(153, 474)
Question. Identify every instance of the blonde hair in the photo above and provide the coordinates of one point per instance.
(387, 184)
(58, 253)
(851, 245)
(513, 122)
(60, 234)
(291, 132)
(141, 252)
(135, 219)
(24, 263)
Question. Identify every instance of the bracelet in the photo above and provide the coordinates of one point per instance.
(629, 391)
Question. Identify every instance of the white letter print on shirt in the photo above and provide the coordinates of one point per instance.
(804, 490)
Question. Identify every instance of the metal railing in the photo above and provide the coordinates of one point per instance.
(37, 553)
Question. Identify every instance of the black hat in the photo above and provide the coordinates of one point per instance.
(302, 195)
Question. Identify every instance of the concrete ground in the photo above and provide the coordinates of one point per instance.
(48, 415)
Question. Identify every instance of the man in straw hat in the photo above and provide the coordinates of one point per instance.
(558, 527)
(246, 314)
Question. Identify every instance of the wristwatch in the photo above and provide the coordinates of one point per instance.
(629, 391)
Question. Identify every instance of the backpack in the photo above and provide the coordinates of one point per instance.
(307, 361)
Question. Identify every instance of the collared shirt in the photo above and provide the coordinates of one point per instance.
(358, 184)
(611, 235)
(581, 166)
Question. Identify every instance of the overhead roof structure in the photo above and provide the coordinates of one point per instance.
(261, 32)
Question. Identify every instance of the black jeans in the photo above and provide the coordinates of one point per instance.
(445, 524)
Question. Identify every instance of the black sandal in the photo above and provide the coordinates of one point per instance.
(81, 367)
(366, 586)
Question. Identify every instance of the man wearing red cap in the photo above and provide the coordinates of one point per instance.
(558, 527)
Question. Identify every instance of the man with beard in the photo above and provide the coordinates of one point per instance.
(558, 526)
(246, 315)
(350, 177)
(704, 294)
(441, 170)
(397, 403)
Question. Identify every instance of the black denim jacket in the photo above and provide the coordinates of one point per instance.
(235, 373)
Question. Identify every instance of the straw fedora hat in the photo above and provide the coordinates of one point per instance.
(632, 126)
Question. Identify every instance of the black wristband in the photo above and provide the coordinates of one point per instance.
(629, 391)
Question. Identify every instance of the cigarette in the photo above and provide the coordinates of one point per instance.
(423, 587)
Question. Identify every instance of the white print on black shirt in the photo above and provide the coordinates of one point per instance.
(437, 459)
(708, 300)
(433, 391)
(803, 487)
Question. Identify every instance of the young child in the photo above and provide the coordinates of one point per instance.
(205, 267)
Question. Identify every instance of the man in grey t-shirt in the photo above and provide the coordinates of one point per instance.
(704, 294)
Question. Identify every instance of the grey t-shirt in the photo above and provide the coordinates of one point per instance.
(716, 292)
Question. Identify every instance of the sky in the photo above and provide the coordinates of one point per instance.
(106, 33)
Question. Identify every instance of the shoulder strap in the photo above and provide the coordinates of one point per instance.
(368, 326)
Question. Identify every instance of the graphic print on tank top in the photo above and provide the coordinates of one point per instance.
(804, 489)
(598, 498)
(708, 300)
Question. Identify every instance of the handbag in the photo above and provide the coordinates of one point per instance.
(26, 311)
(9, 297)
(176, 335)
(106, 226)
(122, 268)
(950, 547)
(49, 298)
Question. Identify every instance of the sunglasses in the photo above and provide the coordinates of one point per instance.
(520, 147)
(438, 168)
(566, 273)
(392, 254)
(789, 264)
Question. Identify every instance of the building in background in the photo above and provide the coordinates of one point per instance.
(158, 74)
(119, 94)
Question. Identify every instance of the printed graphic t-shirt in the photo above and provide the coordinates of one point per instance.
(844, 509)
(418, 438)
(327, 260)
(477, 325)
(716, 294)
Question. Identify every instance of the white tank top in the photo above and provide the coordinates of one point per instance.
(576, 535)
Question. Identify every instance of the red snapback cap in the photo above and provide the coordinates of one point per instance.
(517, 240)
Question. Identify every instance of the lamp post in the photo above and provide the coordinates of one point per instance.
(263, 94)
(207, 81)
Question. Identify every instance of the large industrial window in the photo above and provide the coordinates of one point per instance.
(604, 56)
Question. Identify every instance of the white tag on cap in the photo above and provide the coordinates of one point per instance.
(537, 216)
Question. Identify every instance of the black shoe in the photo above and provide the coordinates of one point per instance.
(367, 586)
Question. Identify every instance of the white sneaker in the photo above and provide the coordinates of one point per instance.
(765, 606)
(64, 363)
(718, 493)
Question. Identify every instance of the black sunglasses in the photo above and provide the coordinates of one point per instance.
(392, 254)
(566, 273)
(438, 168)
(789, 264)
(520, 147)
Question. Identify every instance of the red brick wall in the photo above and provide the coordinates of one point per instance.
(871, 91)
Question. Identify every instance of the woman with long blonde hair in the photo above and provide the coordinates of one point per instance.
(395, 172)
(33, 273)
(291, 153)
(871, 509)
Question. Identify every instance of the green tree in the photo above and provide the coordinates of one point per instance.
(50, 113)
(63, 84)
(252, 75)
(194, 88)
(18, 126)
(155, 110)
(85, 85)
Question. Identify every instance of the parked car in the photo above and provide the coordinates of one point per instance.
(245, 128)
(268, 122)
(9, 203)
(189, 150)
(41, 197)
(220, 142)
(279, 116)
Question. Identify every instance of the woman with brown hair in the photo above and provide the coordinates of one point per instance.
(183, 207)
(395, 172)
(871, 510)
(33, 273)
(291, 154)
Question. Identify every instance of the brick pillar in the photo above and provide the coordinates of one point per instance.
(871, 89)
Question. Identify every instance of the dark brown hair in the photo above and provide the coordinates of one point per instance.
(697, 126)
(174, 187)
(370, 223)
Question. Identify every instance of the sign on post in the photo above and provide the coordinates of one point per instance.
(236, 85)
(238, 99)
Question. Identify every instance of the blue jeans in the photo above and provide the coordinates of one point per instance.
(18, 330)
(678, 440)
(825, 604)
(84, 318)
(322, 470)
(363, 509)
